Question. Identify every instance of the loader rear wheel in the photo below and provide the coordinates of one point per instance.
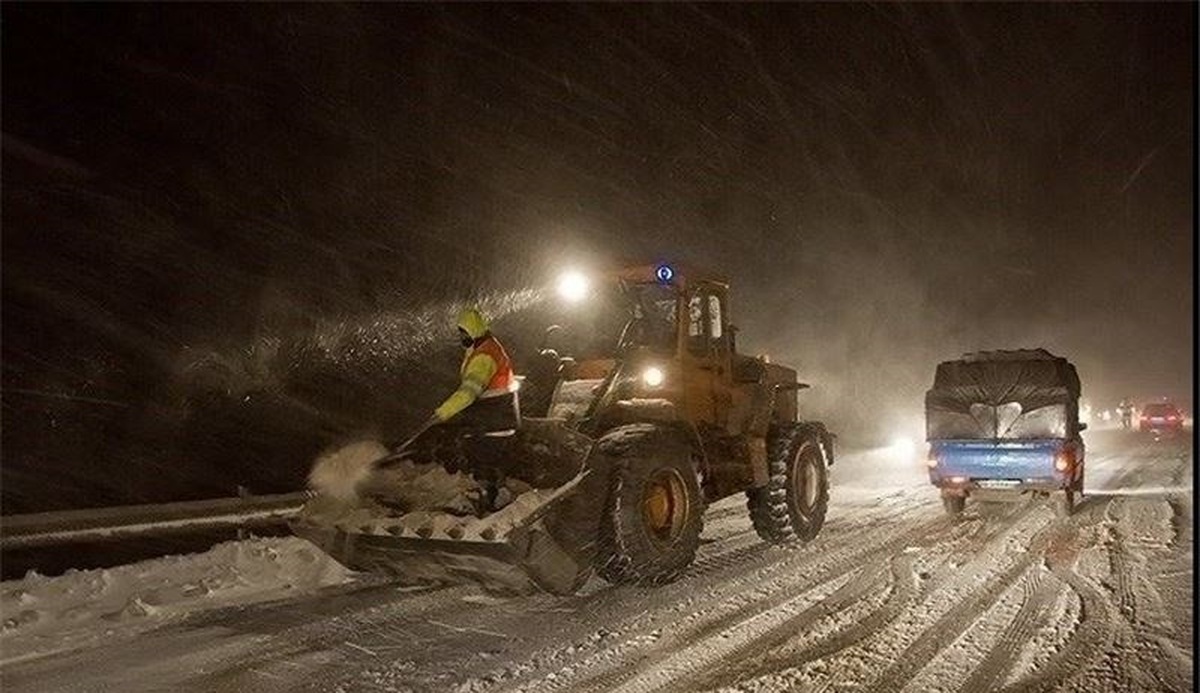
(792, 506)
(655, 508)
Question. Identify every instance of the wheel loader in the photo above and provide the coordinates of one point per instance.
(648, 414)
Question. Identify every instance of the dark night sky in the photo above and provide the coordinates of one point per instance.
(230, 232)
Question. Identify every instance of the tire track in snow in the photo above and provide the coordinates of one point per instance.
(1092, 638)
(733, 643)
(1120, 584)
(891, 656)
(741, 663)
(781, 666)
(778, 598)
(1181, 522)
(952, 624)
(1057, 545)
(867, 580)
(653, 674)
(835, 559)
(744, 630)
(903, 591)
(1102, 627)
(1040, 595)
(1096, 630)
(732, 552)
(1143, 526)
(725, 572)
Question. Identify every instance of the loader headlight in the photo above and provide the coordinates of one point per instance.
(573, 286)
(653, 376)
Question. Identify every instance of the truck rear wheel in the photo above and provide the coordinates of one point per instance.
(792, 506)
(655, 512)
(953, 504)
(1064, 503)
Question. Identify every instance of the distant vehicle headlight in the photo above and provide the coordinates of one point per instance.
(903, 445)
(653, 376)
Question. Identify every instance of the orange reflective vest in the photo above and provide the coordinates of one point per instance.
(502, 381)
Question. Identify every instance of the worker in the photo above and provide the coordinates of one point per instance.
(486, 398)
(484, 405)
(1125, 409)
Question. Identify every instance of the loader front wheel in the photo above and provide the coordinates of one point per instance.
(655, 508)
(791, 507)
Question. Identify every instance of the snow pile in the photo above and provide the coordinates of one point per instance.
(411, 486)
(48, 614)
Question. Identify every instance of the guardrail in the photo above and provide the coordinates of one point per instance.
(123, 522)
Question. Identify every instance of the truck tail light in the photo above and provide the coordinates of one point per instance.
(931, 461)
(1064, 460)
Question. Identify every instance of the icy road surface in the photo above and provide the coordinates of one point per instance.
(892, 596)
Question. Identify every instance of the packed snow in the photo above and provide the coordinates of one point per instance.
(892, 596)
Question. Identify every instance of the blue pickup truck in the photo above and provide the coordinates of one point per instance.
(1002, 424)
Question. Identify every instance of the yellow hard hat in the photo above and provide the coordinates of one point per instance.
(471, 321)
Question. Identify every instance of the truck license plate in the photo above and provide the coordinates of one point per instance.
(998, 483)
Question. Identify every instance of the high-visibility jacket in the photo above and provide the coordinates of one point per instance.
(486, 372)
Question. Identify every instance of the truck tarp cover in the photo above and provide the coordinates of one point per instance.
(1003, 395)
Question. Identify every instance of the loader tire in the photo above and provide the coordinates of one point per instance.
(791, 507)
(655, 508)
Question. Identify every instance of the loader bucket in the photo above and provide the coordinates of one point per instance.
(542, 540)
(511, 549)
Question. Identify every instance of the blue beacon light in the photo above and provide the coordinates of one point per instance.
(664, 273)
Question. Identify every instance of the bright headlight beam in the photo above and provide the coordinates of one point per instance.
(903, 445)
(573, 286)
(653, 377)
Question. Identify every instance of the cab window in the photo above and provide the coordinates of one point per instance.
(706, 327)
(714, 317)
(697, 339)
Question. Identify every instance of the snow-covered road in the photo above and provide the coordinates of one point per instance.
(893, 596)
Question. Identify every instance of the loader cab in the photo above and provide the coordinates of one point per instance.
(674, 343)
